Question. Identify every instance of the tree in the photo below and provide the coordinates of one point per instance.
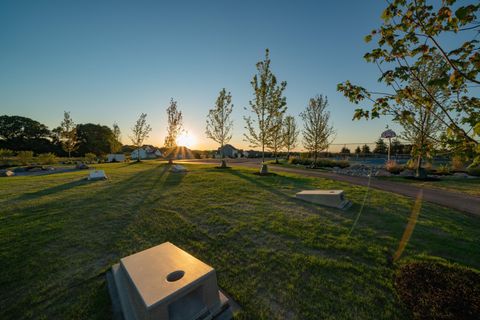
(276, 141)
(365, 149)
(219, 123)
(68, 134)
(412, 35)
(317, 132)
(175, 122)
(422, 128)
(267, 105)
(140, 132)
(397, 147)
(345, 150)
(290, 134)
(116, 138)
(380, 147)
(21, 133)
(358, 150)
(94, 138)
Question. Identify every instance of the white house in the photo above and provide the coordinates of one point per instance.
(229, 151)
(115, 157)
(146, 153)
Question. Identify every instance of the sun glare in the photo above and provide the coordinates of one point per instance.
(186, 140)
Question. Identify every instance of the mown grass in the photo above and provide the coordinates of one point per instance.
(469, 186)
(278, 257)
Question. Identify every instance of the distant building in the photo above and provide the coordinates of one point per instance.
(115, 157)
(229, 151)
(252, 154)
(146, 153)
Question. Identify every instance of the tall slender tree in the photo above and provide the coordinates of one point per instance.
(276, 141)
(317, 131)
(175, 123)
(267, 105)
(68, 134)
(116, 143)
(425, 123)
(219, 123)
(140, 132)
(290, 134)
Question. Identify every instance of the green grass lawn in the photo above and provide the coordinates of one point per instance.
(469, 186)
(278, 257)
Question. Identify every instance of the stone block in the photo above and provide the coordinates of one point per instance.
(165, 282)
(97, 175)
(6, 173)
(330, 198)
(178, 169)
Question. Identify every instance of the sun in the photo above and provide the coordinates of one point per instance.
(186, 139)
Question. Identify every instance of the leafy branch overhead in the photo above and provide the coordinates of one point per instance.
(410, 37)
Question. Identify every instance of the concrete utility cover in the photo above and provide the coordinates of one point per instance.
(330, 198)
(97, 175)
(165, 282)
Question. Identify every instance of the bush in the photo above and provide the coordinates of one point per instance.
(90, 157)
(321, 163)
(393, 167)
(433, 290)
(411, 164)
(457, 163)
(474, 171)
(443, 169)
(25, 157)
(47, 158)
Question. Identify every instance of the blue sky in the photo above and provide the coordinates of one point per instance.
(109, 61)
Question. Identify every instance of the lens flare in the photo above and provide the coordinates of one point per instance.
(186, 140)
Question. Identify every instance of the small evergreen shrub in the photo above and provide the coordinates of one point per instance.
(25, 157)
(90, 157)
(433, 290)
(46, 158)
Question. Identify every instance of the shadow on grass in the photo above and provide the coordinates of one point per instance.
(275, 191)
(55, 189)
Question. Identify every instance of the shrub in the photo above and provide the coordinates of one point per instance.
(25, 157)
(474, 171)
(321, 163)
(90, 157)
(47, 158)
(433, 290)
(393, 167)
(457, 163)
(5, 154)
(411, 164)
(443, 169)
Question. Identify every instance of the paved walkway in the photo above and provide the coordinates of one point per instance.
(455, 200)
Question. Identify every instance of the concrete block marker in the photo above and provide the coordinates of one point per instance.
(178, 169)
(97, 175)
(329, 198)
(165, 282)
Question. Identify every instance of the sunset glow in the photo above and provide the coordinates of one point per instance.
(186, 139)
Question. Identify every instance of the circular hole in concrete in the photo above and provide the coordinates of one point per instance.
(175, 275)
